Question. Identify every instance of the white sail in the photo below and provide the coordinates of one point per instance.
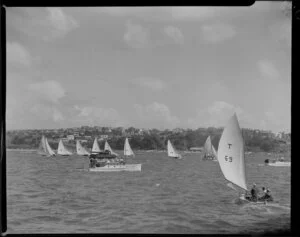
(96, 147)
(231, 153)
(209, 149)
(107, 147)
(127, 149)
(214, 152)
(61, 150)
(171, 151)
(80, 149)
(44, 148)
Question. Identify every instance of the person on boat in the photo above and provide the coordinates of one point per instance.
(266, 161)
(254, 193)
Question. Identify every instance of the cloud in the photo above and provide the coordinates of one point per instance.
(185, 13)
(42, 23)
(95, 115)
(218, 113)
(149, 82)
(17, 54)
(156, 115)
(216, 33)
(60, 22)
(268, 69)
(45, 112)
(136, 36)
(175, 34)
(50, 91)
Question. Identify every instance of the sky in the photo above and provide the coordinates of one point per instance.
(149, 67)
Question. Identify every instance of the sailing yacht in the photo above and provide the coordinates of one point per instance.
(61, 150)
(95, 149)
(80, 149)
(108, 148)
(127, 149)
(44, 148)
(231, 156)
(172, 152)
(209, 150)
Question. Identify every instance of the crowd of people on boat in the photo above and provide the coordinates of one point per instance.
(255, 197)
(102, 162)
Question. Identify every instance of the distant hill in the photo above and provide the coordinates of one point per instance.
(255, 140)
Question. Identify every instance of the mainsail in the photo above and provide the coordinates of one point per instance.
(44, 148)
(171, 151)
(127, 149)
(107, 147)
(61, 150)
(80, 149)
(231, 153)
(96, 147)
(209, 150)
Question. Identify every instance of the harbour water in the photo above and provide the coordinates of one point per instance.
(56, 195)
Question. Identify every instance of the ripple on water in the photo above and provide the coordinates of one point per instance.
(51, 195)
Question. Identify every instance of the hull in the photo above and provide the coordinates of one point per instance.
(286, 164)
(110, 168)
(243, 200)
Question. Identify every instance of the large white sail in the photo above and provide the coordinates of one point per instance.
(44, 148)
(231, 153)
(107, 147)
(96, 147)
(127, 149)
(171, 151)
(80, 149)
(61, 150)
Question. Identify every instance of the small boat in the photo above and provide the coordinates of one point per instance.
(95, 148)
(127, 149)
(117, 167)
(278, 163)
(80, 149)
(61, 150)
(172, 152)
(105, 161)
(44, 148)
(108, 148)
(209, 151)
(231, 157)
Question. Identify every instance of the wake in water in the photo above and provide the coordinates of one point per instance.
(268, 208)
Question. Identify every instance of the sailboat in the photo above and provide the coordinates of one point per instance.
(127, 149)
(231, 156)
(96, 148)
(108, 148)
(209, 150)
(80, 149)
(172, 152)
(44, 148)
(61, 150)
(114, 163)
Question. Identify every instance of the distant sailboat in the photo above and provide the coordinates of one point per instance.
(44, 148)
(127, 149)
(209, 150)
(96, 147)
(107, 147)
(61, 150)
(80, 149)
(172, 152)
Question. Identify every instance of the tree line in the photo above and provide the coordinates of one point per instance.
(158, 140)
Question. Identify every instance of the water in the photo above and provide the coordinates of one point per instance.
(53, 195)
